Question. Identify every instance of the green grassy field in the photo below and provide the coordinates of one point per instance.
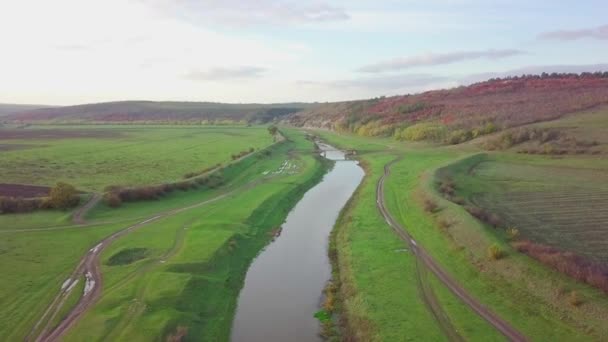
(191, 265)
(558, 202)
(181, 274)
(527, 294)
(380, 292)
(34, 265)
(93, 157)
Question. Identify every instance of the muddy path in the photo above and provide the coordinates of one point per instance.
(425, 261)
(79, 215)
(90, 267)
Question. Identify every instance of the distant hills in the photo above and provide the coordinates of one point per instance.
(160, 112)
(9, 109)
(448, 115)
(466, 111)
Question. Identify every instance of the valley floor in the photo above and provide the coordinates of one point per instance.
(410, 259)
(175, 268)
(382, 296)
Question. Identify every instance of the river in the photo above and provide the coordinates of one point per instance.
(284, 284)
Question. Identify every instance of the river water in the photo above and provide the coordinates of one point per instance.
(284, 284)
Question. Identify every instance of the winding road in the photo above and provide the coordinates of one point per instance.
(427, 261)
(90, 267)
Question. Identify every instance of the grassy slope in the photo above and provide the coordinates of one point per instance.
(140, 156)
(206, 252)
(546, 292)
(517, 288)
(38, 261)
(34, 265)
(566, 196)
(380, 291)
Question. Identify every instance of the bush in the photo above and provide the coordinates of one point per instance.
(21, 205)
(63, 196)
(513, 233)
(574, 299)
(422, 131)
(112, 200)
(447, 187)
(445, 224)
(184, 186)
(516, 137)
(459, 136)
(116, 195)
(484, 216)
(495, 253)
(575, 266)
(458, 200)
(430, 206)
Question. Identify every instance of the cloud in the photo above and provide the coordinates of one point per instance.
(432, 59)
(246, 12)
(599, 32)
(367, 87)
(72, 47)
(394, 82)
(222, 74)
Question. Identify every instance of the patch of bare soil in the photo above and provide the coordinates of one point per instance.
(12, 147)
(6, 134)
(23, 190)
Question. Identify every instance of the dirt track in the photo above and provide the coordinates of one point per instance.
(423, 258)
(89, 266)
(79, 215)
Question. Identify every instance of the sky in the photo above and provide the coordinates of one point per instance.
(65, 52)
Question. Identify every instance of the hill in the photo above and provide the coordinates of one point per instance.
(149, 111)
(461, 114)
(8, 108)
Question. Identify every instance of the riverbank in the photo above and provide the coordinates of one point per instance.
(284, 283)
(380, 300)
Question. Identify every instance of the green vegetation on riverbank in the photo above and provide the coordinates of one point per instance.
(188, 279)
(533, 298)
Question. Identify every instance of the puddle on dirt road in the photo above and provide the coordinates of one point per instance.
(284, 284)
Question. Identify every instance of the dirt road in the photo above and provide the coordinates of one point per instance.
(79, 215)
(425, 259)
(90, 268)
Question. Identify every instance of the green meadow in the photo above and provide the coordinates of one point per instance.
(103, 155)
(181, 274)
(183, 271)
(379, 292)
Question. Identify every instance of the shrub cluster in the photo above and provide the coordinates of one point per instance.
(430, 206)
(463, 135)
(115, 195)
(519, 136)
(447, 188)
(422, 131)
(563, 145)
(203, 171)
(495, 253)
(575, 266)
(242, 153)
(12, 205)
(512, 233)
(61, 196)
(574, 299)
(483, 215)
